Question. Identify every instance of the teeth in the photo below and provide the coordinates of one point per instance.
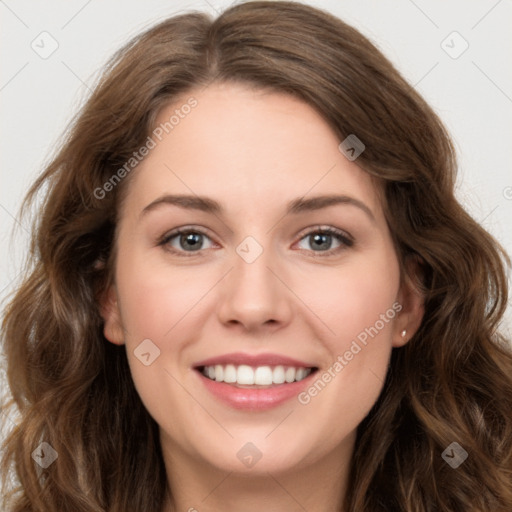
(230, 373)
(259, 376)
(278, 375)
(300, 374)
(262, 375)
(245, 375)
(219, 373)
(289, 376)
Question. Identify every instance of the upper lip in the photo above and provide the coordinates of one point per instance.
(268, 359)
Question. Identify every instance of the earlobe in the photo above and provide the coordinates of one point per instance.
(411, 314)
(109, 308)
(409, 320)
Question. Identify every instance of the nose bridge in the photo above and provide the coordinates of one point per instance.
(253, 295)
(251, 274)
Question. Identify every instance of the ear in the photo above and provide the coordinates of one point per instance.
(411, 299)
(109, 310)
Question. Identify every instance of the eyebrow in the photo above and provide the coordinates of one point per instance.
(299, 205)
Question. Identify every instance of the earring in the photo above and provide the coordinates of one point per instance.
(404, 332)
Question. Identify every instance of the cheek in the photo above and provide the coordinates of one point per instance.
(157, 307)
(350, 299)
(358, 304)
(155, 299)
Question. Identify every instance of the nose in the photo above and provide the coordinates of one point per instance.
(255, 296)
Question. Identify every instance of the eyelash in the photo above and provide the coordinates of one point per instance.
(345, 240)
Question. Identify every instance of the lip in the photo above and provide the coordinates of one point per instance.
(254, 399)
(254, 360)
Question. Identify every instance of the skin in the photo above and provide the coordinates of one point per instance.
(253, 152)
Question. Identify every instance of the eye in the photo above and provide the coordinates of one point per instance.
(324, 238)
(185, 240)
(190, 241)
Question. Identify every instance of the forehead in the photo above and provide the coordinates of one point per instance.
(247, 148)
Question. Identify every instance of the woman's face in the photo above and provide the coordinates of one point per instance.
(255, 284)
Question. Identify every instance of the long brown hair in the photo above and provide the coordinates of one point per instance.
(451, 383)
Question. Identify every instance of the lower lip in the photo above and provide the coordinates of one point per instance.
(255, 399)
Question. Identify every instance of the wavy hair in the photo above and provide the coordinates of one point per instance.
(72, 389)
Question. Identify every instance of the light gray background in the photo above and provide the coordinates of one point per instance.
(471, 93)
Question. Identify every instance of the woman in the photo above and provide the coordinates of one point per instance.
(252, 288)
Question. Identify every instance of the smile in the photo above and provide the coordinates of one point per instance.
(255, 397)
(246, 375)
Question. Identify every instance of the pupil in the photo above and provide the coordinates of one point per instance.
(192, 239)
(321, 238)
